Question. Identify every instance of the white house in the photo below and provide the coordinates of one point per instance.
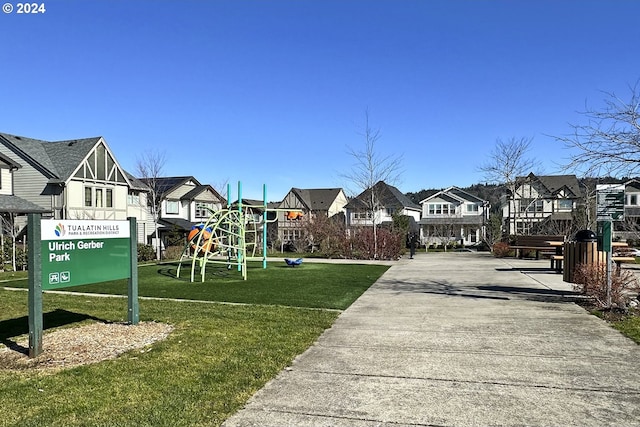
(453, 215)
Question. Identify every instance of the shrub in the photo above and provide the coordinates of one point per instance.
(501, 249)
(591, 280)
(146, 252)
(173, 252)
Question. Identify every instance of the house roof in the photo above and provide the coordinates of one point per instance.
(136, 184)
(388, 195)
(65, 156)
(180, 223)
(10, 162)
(454, 194)
(554, 183)
(57, 160)
(190, 195)
(15, 204)
(166, 184)
(317, 199)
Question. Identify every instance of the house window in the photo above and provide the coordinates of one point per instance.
(87, 197)
(98, 197)
(565, 204)
(173, 207)
(536, 206)
(472, 208)
(133, 198)
(633, 199)
(202, 209)
(523, 227)
(291, 234)
(362, 215)
(441, 209)
(109, 197)
(390, 211)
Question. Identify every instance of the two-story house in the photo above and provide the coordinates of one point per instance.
(73, 179)
(541, 205)
(183, 203)
(629, 227)
(378, 205)
(453, 215)
(304, 204)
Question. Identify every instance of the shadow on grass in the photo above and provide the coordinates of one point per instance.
(20, 326)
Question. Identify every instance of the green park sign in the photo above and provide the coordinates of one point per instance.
(64, 253)
(81, 252)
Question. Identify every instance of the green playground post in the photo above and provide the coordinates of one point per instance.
(264, 227)
(241, 229)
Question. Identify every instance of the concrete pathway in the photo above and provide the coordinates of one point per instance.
(459, 339)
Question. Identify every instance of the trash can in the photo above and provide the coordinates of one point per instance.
(585, 236)
(583, 249)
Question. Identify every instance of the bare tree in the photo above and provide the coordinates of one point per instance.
(369, 168)
(8, 225)
(150, 165)
(609, 142)
(506, 163)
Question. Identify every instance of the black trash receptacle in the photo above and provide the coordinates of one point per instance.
(585, 236)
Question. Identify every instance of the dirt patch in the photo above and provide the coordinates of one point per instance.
(69, 347)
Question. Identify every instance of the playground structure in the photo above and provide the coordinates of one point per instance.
(228, 236)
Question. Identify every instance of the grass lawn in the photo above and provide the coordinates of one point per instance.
(217, 356)
(313, 285)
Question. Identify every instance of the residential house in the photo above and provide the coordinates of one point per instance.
(379, 204)
(73, 179)
(629, 227)
(453, 215)
(543, 204)
(184, 202)
(304, 204)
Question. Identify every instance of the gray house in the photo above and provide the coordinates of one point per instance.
(73, 179)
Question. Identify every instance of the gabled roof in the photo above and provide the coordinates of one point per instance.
(56, 160)
(199, 189)
(33, 151)
(169, 183)
(388, 196)
(67, 155)
(554, 183)
(10, 162)
(454, 194)
(15, 204)
(633, 184)
(317, 199)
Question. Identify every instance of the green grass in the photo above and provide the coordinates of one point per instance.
(217, 356)
(315, 285)
(629, 326)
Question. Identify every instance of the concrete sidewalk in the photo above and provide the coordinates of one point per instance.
(459, 339)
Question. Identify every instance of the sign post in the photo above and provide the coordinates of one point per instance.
(35, 285)
(65, 253)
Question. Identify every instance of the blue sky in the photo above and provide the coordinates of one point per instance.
(275, 92)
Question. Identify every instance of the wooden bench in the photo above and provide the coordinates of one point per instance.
(535, 243)
(556, 261)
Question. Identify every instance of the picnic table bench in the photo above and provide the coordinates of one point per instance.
(535, 243)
